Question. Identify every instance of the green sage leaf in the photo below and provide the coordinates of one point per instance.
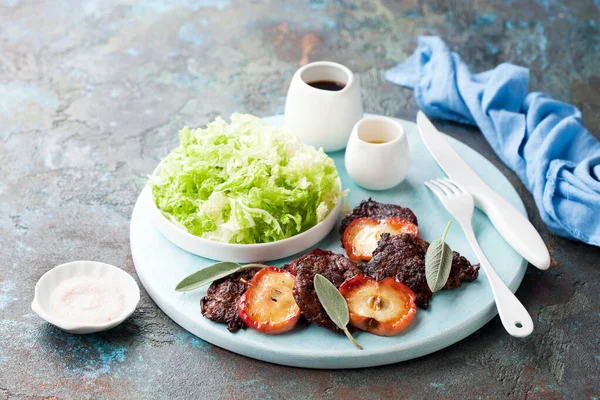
(207, 275)
(334, 304)
(438, 262)
(332, 300)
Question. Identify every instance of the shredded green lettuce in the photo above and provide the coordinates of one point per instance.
(245, 182)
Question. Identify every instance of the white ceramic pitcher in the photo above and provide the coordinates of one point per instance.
(377, 155)
(323, 118)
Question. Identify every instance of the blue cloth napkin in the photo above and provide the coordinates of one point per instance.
(543, 140)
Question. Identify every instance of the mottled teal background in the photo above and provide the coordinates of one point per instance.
(92, 94)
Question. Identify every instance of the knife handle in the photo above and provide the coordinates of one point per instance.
(514, 227)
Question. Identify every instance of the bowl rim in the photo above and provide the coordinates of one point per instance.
(333, 213)
(70, 326)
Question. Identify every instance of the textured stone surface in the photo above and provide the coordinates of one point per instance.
(92, 94)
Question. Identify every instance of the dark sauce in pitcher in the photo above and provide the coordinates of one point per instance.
(327, 85)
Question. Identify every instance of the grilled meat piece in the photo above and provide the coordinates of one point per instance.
(220, 302)
(372, 209)
(403, 257)
(462, 271)
(334, 267)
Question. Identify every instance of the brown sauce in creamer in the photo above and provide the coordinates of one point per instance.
(332, 86)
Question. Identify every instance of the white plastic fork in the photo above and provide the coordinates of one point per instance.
(459, 203)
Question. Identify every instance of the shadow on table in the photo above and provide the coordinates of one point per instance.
(90, 352)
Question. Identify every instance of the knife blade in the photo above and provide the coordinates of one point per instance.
(514, 227)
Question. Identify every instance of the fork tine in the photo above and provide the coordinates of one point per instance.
(450, 184)
(438, 183)
(459, 186)
(438, 193)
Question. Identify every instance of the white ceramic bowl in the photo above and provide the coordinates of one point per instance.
(245, 253)
(88, 269)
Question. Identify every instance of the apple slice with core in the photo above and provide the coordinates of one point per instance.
(268, 304)
(361, 236)
(383, 308)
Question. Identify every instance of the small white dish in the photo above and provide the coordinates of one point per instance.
(244, 253)
(84, 269)
(377, 155)
(323, 118)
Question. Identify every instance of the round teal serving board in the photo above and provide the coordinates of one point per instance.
(452, 316)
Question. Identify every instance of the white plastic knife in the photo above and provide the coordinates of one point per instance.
(512, 225)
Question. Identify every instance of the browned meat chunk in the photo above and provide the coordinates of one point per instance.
(334, 267)
(403, 257)
(372, 209)
(220, 302)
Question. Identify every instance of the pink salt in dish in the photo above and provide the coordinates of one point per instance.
(87, 301)
(85, 296)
